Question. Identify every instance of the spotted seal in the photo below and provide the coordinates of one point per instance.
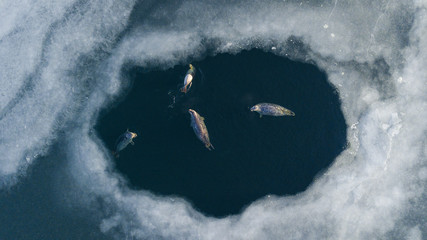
(123, 141)
(188, 80)
(271, 109)
(199, 127)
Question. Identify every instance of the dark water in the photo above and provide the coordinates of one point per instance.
(253, 156)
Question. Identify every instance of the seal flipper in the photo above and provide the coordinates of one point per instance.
(209, 146)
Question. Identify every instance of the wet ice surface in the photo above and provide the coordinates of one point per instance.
(253, 156)
(61, 64)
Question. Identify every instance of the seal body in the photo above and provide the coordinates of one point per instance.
(188, 80)
(199, 127)
(271, 109)
(124, 140)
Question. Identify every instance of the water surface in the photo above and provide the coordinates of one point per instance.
(253, 156)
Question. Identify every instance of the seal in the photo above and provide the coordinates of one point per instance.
(123, 141)
(199, 127)
(188, 80)
(271, 109)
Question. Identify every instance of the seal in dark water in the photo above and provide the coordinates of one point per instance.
(271, 109)
(199, 127)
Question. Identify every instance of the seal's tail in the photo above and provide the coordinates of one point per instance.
(209, 146)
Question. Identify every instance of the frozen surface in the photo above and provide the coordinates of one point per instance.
(60, 63)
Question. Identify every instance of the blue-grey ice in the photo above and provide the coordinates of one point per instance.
(61, 64)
